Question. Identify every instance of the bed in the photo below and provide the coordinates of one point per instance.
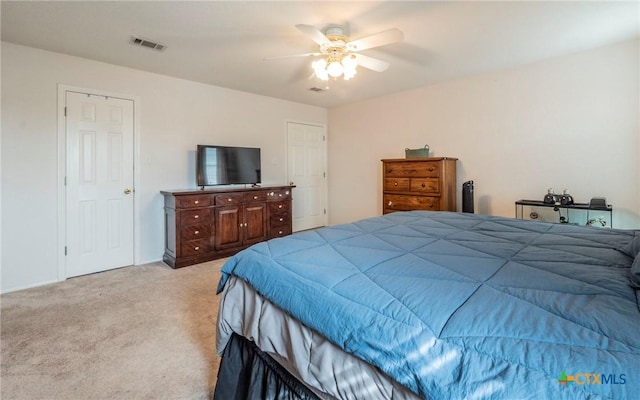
(433, 305)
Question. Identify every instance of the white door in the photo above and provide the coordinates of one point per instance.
(99, 183)
(306, 169)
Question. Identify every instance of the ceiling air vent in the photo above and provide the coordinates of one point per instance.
(147, 43)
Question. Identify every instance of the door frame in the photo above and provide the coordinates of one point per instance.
(326, 164)
(62, 170)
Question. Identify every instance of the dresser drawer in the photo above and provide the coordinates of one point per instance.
(229, 199)
(412, 168)
(393, 202)
(195, 247)
(426, 185)
(195, 231)
(279, 231)
(279, 219)
(281, 194)
(397, 184)
(278, 207)
(194, 201)
(198, 216)
(255, 197)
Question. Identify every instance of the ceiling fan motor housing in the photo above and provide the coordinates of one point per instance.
(338, 43)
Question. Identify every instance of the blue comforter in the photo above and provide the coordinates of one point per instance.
(463, 306)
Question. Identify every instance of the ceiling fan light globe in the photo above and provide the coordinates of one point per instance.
(319, 68)
(335, 69)
(319, 64)
(348, 74)
(350, 62)
(322, 75)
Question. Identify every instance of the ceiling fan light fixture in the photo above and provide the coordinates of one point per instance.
(335, 67)
(336, 49)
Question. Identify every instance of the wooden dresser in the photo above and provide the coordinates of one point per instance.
(202, 225)
(419, 184)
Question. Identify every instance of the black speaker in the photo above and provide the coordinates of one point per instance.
(467, 197)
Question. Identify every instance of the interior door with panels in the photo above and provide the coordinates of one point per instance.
(99, 183)
(306, 169)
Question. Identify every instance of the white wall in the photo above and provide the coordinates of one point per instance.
(175, 115)
(569, 122)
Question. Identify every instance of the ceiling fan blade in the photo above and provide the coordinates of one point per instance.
(292, 56)
(379, 39)
(371, 63)
(313, 33)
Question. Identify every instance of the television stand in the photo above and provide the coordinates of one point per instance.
(206, 224)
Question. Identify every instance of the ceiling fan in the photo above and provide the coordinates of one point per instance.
(340, 55)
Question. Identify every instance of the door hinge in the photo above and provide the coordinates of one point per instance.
(324, 174)
(65, 111)
(65, 181)
(325, 211)
(323, 137)
(65, 250)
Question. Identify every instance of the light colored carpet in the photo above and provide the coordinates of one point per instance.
(143, 332)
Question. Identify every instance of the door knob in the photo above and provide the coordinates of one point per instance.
(127, 191)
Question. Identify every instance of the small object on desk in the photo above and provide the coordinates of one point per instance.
(598, 202)
(566, 198)
(550, 197)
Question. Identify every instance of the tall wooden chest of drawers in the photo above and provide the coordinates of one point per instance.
(202, 225)
(419, 184)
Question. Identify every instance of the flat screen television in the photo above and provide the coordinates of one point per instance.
(226, 165)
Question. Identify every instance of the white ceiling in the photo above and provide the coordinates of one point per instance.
(224, 43)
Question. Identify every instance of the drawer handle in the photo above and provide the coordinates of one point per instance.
(279, 232)
(196, 202)
(196, 248)
(280, 206)
(271, 194)
(395, 183)
(390, 203)
(255, 197)
(430, 205)
(423, 185)
(196, 216)
(279, 194)
(287, 192)
(197, 232)
(430, 168)
(281, 219)
(229, 199)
